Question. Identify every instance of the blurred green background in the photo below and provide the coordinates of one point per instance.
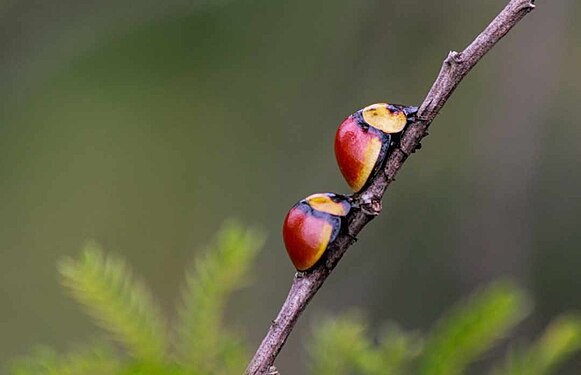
(142, 125)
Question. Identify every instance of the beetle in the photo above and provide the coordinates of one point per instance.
(311, 225)
(364, 139)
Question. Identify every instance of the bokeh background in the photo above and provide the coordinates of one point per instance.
(143, 125)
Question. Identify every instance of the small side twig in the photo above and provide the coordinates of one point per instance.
(306, 284)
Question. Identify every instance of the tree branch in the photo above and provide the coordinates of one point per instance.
(306, 284)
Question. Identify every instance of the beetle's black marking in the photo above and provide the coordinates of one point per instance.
(342, 199)
(360, 121)
(336, 222)
(407, 110)
(410, 111)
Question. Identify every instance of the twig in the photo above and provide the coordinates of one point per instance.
(306, 284)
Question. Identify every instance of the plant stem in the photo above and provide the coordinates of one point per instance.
(306, 284)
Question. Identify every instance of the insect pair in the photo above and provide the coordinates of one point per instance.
(362, 144)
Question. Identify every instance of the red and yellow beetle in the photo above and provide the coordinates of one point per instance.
(363, 140)
(311, 225)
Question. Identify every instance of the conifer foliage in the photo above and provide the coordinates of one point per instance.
(199, 344)
(123, 306)
(343, 345)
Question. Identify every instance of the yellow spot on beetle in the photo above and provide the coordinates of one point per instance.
(323, 203)
(380, 117)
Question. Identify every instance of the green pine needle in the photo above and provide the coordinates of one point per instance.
(471, 328)
(397, 349)
(202, 342)
(120, 304)
(338, 345)
(559, 341)
(97, 360)
(341, 346)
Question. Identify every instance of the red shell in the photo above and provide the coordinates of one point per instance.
(307, 231)
(359, 150)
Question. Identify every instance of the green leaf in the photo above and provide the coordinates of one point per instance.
(203, 344)
(471, 328)
(97, 360)
(120, 304)
(561, 339)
